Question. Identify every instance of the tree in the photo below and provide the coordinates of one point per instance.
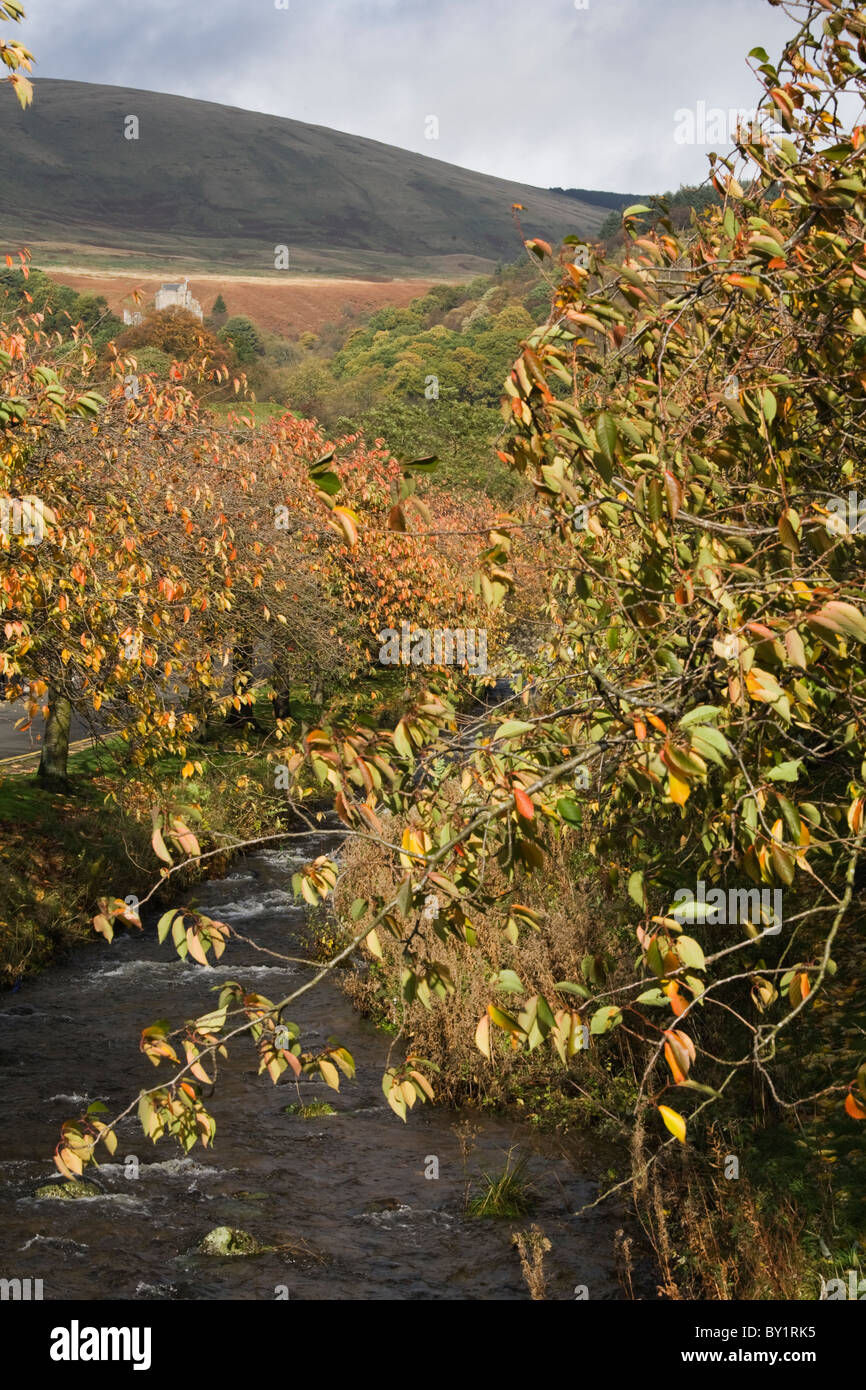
(219, 306)
(244, 338)
(180, 335)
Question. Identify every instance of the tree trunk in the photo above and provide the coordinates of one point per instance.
(55, 749)
(242, 668)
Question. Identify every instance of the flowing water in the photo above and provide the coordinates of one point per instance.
(344, 1198)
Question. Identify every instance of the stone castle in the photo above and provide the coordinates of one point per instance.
(170, 296)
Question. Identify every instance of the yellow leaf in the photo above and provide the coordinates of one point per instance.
(674, 1122)
(346, 520)
(413, 844)
(329, 1074)
(678, 790)
(23, 89)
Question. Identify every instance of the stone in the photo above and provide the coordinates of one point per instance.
(228, 1240)
(68, 1191)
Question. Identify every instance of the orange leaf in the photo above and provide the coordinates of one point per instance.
(676, 1073)
(524, 804)
(854, 1108)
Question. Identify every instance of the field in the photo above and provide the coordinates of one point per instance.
(276, 303)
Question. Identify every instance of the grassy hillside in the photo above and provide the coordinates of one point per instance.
(208, 185)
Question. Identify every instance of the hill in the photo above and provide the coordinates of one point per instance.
(206, 185)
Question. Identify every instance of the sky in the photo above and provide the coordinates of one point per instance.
(539, 91)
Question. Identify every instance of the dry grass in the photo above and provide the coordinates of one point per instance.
(446, 1031)
(532, 1246)
(739, 1248)
(284, 306)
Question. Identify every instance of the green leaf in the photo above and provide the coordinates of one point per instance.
(704, 1090)
(504, 1020)
(710, 744)
(654, 997)
(569, 811)
(328, 483)
(700, 715)
(401, 741)
(844, 618)
(404, 897)
(604, 1019)
(512, 728)
(636, 889)
(605, 431)
(507, 980)
(567, 987)
(690, 953)
(163, 926)
(785, 772)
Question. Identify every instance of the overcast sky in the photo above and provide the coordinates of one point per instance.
(535, 90)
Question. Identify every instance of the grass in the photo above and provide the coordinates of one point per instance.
(309, 1110)
(64, 849)
(22, 797)
(510, 1194)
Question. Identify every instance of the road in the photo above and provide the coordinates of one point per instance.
(16, 743)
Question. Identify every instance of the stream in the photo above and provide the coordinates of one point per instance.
(343, 1198)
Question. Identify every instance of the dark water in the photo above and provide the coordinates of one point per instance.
(349, 1189)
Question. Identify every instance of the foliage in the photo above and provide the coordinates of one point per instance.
(507, 1194)
(694, 708)
(64, 311)
(178, 334)
(677, 206)
(310, 1110)
(15, 56)
(242, 334)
